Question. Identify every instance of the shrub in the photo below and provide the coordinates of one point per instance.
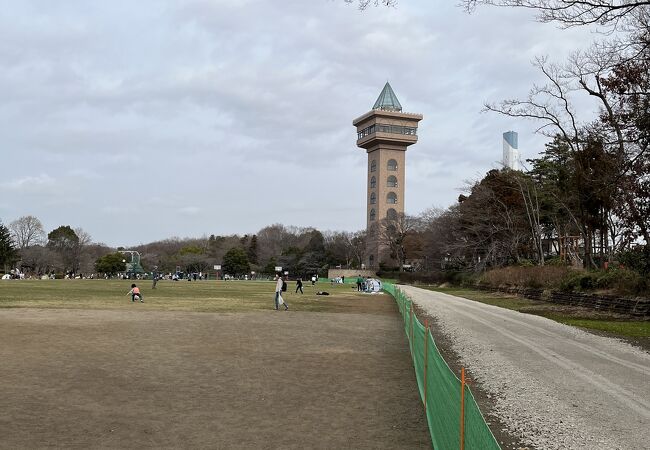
(525, 277)
(457, 278)
(625, 281)
(637, 259)
(573, 282)
(556, 261)
(526, 263)
(620, 281)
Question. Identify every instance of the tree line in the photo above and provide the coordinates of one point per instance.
(24, 244)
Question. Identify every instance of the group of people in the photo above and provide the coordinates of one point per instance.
(281, 286)
(368, 284)
(14, 275)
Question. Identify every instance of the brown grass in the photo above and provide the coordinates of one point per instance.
(547, 277)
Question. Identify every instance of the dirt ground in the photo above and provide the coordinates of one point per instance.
(174, 379)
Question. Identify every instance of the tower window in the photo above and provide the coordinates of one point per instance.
(392, 164)
(391, 198)
(392, 181)
(373, 166)
(373, 182)
(372, 214)
(391, 214)
(373, 198)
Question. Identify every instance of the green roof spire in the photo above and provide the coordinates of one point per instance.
(387, 100)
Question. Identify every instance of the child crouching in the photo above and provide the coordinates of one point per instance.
(135, 294)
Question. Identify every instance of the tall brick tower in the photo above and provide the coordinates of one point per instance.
(385, 132)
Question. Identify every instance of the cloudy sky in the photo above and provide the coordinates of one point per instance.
(139, 121)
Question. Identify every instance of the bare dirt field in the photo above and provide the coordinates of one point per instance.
(141, 378)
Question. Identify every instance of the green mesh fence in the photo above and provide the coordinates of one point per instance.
(440, 388)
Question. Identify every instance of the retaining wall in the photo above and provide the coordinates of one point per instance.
(350, 273)
(637, 307)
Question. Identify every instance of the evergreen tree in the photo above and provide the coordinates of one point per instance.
(270, 266)
(111, 263)
(65, 241)
(8, 252)
(252, 250)
(235, 262)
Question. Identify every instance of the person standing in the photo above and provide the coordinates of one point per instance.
(359, 283)
(299, 286)
(279, 287)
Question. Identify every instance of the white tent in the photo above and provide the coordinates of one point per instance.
(373, 285)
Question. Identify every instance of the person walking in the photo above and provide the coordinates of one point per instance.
(280, 286)
(299, 286)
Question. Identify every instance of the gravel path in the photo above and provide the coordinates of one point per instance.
(556, 386)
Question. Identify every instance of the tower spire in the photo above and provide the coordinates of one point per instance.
(387, 100)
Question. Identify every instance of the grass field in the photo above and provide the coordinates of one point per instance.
(579, 317)
(200, 296)
(203, 365)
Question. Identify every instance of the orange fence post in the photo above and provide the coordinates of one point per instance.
(462, 408)
(426, 360)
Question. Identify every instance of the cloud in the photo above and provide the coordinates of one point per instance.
(30, 184)
(223, 116)
(118, 210)
(189, 210)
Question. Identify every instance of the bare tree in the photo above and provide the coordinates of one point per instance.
(571, 13)
(27, 231)
(356, 242)
(393, 233)
(530, 196)
(39, 259)
(271, 241)
(84, 240)
(363, 4)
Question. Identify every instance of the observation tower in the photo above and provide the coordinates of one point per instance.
(385, 132)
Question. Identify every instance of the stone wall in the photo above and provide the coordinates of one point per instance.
(636, 307)
(350, 273)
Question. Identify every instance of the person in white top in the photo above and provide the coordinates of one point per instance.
(280, 286)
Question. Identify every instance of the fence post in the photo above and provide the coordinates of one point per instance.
(426, 360)
(406, 318)
(411, 330)
(462, 408)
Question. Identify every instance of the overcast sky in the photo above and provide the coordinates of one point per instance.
(143, 120)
